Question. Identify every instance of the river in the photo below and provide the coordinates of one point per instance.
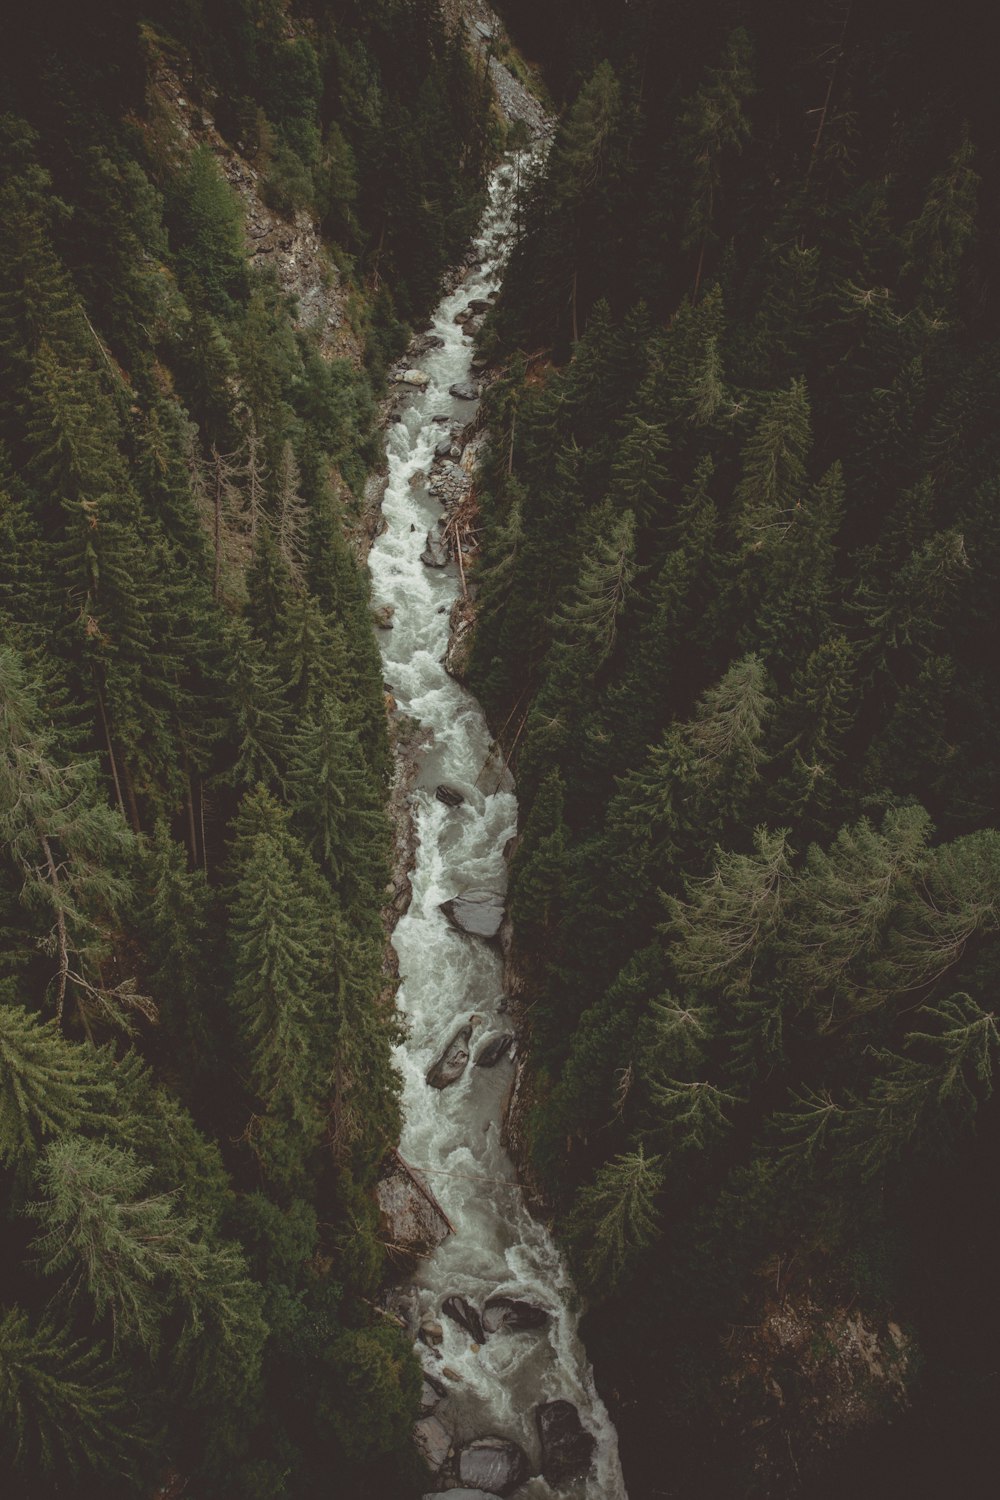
(453, 1134)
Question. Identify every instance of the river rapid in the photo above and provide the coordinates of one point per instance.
(452, 1135)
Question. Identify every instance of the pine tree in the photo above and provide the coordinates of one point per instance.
(260, 713)
(774, 466)
(72, 851)
(927, 1093)
(106, 1235)
(280, 938)
(48, 1086)
(713, 127)
(337, 808)
(720, 931)
(65, 1410)
(616, 1219)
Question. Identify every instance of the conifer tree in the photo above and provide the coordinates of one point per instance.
(48, 1086)
(280, 937)
(774, 465)
(615, 1219)
(720, 931)
(337, 807)
(714, 126)
(65, 1411)
(72, 851)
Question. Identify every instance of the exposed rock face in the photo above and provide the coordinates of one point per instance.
(464, 390)
(493, 1464)
(432, 1393)
(567, 1446)
(462, 1494)
(453, 1060)
(511, 1312)
(411, 1217)
(291, 248)
(478, 912)
(462, 1312)
(433, 1441)
(449, 796)
(435, 554)
(382, 616)
(492, 1051)
(418, 378)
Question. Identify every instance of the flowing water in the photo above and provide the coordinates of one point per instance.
(453, 1135)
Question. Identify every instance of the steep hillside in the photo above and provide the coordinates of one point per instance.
(218, 221)
(736, 623)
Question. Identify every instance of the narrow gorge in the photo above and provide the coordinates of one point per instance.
(494, 1304)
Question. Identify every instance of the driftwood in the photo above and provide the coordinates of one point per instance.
(421, 1186)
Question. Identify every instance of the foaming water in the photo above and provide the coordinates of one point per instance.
(453, 1135)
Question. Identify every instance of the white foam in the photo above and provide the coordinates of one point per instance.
(453, 1134)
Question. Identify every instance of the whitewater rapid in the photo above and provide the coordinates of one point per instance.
(453, 1135)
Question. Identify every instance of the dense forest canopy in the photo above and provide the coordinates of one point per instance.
(196, 1086)
(739, 614)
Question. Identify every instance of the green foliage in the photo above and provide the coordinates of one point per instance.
(184, 620)
(50, 1086)
(615, 1219)
(66, 1414)
(744, 316)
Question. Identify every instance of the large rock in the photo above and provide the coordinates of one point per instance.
(453, 1060)
(492, 1051)
(433, 1441)
(464, 390)
(462, 1312)
(432, 1393)
(511, 1312)
(477, 912)
(435, 554)
(412, 1219)
(478, 306)
(443, 448)
(462, 1494)
(493, 1464)
(418, 378)
(567, 1446)
(449, 796)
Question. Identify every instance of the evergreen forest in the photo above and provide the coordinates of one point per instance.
(196, 1021)
(738, 625)
(736, 586)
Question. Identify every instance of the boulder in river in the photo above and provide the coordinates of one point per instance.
(462, 1494)
(464, 390)
(449, 796)
(478, 912)
(432, 1393)
(382, 615)
(431, 1333)
(453, 1060)
(419, 378)
(433, 1441)
(492, 1051)
(567, 1446)
(462, 1312)
(435, 554)
(412, 1218)
(493, 1464)
(443, 448)
(512, 1313)
(478, 306)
